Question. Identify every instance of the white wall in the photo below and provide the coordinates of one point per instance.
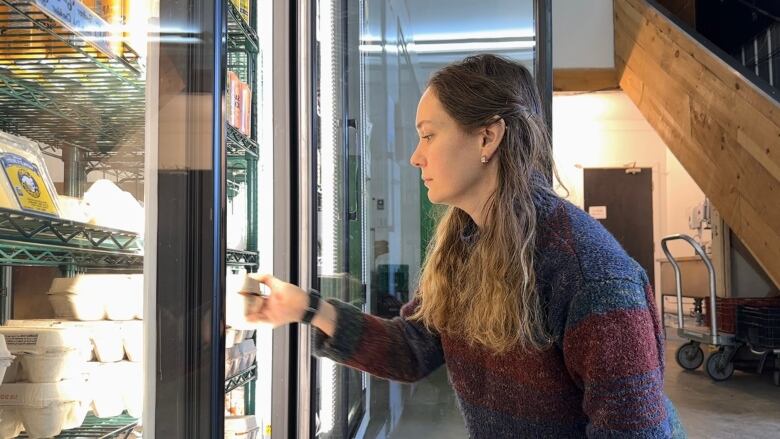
(582, 34)
(607, 130)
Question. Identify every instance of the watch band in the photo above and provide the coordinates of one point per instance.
(314, 305)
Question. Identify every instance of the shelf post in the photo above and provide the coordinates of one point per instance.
(5, 293)
(75, 171)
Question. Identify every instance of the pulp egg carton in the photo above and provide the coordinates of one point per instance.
(47, 355)
(97, 297)
(133, 339)
(43, 410)
(234, 336)
(6, 359)
(247, 352)
(241, 427)
(105, 336)
(132, 390)
(232, 361)
(116, 387)
(244, 294)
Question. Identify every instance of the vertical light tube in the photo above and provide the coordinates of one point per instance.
(330, 182)
(330, 168)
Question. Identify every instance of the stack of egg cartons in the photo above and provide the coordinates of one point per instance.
(240, 348)
(241, 427)
(44, 389)
(110, 308)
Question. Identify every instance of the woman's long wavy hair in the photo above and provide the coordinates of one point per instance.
(485, 291)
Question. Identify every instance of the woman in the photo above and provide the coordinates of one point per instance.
(548, 328)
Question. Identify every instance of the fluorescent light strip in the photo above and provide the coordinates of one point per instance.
(475, 35)
(452, 47)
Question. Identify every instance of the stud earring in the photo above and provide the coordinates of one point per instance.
(484, 159)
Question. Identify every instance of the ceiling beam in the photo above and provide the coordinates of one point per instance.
(565, 80)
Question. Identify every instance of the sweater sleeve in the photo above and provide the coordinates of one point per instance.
(396, 349)
(613, 349)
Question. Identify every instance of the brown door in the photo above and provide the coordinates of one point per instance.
(623, 202)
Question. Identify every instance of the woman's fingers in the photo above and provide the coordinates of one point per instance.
(264, 278)
(268, 280)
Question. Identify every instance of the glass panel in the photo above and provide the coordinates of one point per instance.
(374, 218)
(75, 119)
(121, 166)
(249, 186)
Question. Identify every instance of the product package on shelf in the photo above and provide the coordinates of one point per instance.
(25, 183)
(243, 7)
(115, 387)
(106, 336)
(248, 352)
(239, 108)
(237, 304)
(246, 109)
(97, 296)
(72, 208)
(241, 427)
(106, 204)
(133, 340)
(46, 355)
(6, 359)
(236, 233)
(43, 410)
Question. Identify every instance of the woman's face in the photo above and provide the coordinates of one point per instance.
(450, 158)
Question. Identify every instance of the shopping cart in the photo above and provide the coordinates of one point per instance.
(690, 356)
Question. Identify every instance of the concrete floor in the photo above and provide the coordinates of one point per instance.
(746, 406)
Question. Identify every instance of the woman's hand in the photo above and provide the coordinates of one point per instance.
(286, 304)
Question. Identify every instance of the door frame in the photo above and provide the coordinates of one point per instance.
(659, 214)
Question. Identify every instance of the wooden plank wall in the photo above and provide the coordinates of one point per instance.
(724, 130)
(565, 80)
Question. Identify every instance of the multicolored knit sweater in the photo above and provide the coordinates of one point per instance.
(602, 378)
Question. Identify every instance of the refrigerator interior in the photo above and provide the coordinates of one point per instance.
(74, 139)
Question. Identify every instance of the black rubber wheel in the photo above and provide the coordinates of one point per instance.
(690, 356)
(776, 377)
(717, 368)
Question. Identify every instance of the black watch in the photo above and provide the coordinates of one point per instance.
(314, 305)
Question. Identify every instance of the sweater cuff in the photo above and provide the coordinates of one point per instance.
(349, 328)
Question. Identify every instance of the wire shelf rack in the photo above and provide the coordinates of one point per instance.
(119, 427)
(57, 88)
(241, 36)
(242, 378)
(41, 229)
(25, 253)
(239, 145)
(241, 258)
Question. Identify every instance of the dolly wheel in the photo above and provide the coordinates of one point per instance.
(690, 356)
(718, 368)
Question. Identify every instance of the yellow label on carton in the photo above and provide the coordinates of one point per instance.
(27, 184)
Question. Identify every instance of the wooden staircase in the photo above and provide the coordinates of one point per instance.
(723, 129)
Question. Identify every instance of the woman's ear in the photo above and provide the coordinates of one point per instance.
(492, 135)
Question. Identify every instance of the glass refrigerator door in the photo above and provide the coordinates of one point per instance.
(374, 220)
(120, 158)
